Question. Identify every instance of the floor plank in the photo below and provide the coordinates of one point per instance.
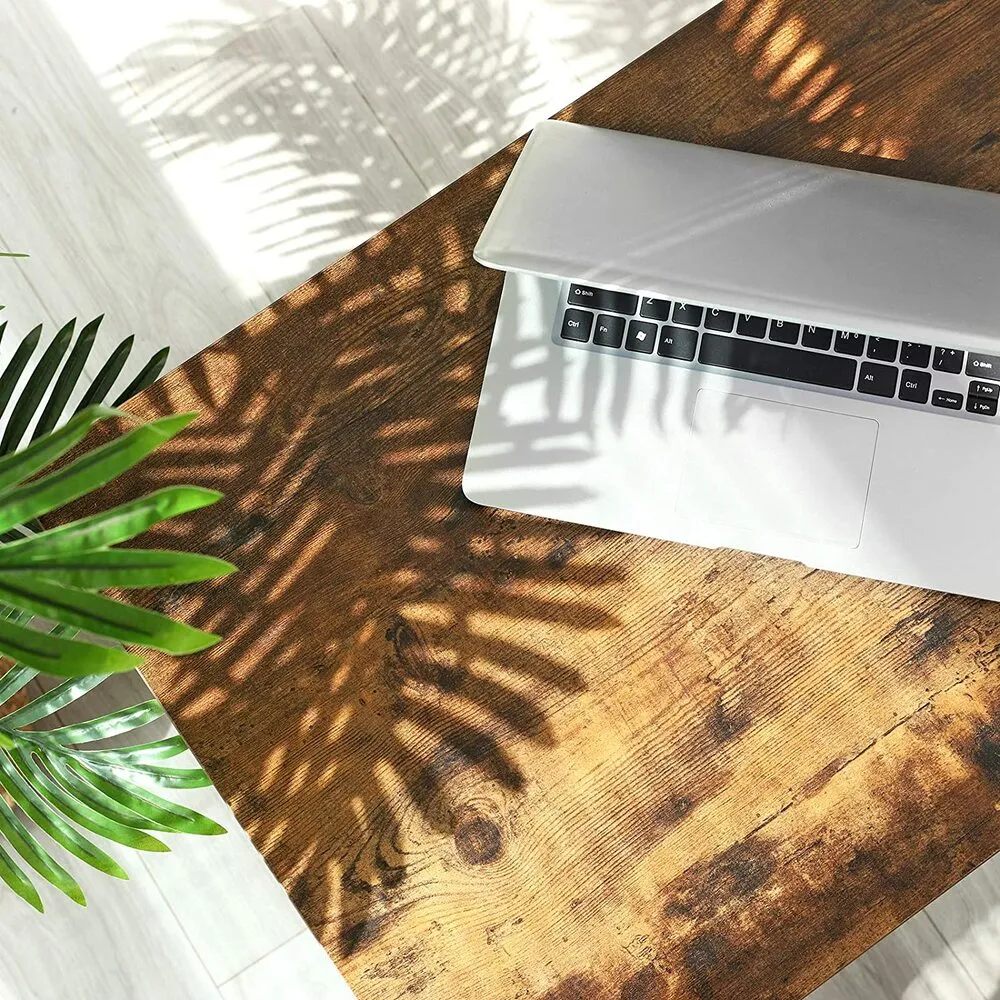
(105, 232)
(912, 963)
(968, 916)
(299, 969)
(126, 945)
(451, 82)
(264, 134)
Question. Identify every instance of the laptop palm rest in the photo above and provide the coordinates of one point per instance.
(769, 466)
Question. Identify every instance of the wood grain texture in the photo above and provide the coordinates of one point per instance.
(491, 755)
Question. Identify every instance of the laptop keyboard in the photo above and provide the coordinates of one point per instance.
(921, 375)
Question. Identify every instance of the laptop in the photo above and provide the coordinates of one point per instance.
(730, 350)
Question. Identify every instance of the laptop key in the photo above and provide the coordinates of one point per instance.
(719, 320)
(917, 355)
(984, 390)
(882, 349)
(983, 365)
(877, 380)
(947, 360)
(748, 325)
(777, 362)
(987, 407)
(949, 400)
(849, 343)
(915, 387)
(577, 325)
(610, 331)
(817, 337)
(603, 300)
(688, 315)
(641, 337)
(658, 309)
(676, 342)
(783, 332)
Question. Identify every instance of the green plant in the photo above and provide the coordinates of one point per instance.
(53, 617)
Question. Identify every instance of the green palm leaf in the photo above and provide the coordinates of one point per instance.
(61, 791)
(60, 787)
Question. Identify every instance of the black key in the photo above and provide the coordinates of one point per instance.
(720, 320)
(988, 407)
(949, 400)
(915, 387)
(917, 355)
(601, 298)
(777, 362)
(877, 380)
(658, 309)
(881, 349)
(641, 337)
(609, 331)
(984, 390)
(576, 325)
(688, 315)
(784, 332)
(947, 360)
(849, 343)
(983, 365)
(677, 343)
(749, 325)
(817, 337)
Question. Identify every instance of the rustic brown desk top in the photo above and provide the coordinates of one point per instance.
(494, 756)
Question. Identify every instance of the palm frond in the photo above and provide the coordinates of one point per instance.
(56, 787)
(53, 382)
(67, 790)
(56, 574)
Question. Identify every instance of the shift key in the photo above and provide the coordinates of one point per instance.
(987, 365)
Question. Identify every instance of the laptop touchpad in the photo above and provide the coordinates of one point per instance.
(775, 467)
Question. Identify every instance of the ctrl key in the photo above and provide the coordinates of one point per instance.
(577, 325)
(915, 387)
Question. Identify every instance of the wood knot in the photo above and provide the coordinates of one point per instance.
(478, 840)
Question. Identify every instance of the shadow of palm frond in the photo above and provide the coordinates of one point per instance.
(392, 652)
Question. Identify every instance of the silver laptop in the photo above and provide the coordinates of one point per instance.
(731, 350)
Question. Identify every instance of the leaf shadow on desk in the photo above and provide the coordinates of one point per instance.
(392, 652)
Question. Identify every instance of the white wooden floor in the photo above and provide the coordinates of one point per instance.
(177, 166)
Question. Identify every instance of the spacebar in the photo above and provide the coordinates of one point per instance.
(755, 358)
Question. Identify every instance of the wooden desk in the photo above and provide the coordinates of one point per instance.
(491, 756)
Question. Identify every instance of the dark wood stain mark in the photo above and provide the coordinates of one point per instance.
(246, 531)
(987, 752)
(646, 984)
(735, 874)
(815, 784)
(681, 806)
(561, 554)
(362, 933)
(932, 630)
(701, 961)
(985, 141)
(671, 812)
(575, 987)
(726, 722)
(478, 841)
